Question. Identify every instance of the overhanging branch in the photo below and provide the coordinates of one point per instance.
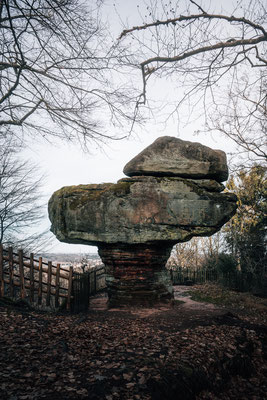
(204, 49)
(193, 17)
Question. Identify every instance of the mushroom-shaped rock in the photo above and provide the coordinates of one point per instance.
(135, 223)
(169, 156)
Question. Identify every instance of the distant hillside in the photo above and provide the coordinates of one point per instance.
(70, 257)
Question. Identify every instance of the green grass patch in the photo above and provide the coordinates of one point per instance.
(178, 302)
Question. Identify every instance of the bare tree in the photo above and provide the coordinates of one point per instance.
(56, 71)
(242, 117)
(21, 209)
(195, 253)
(186, 255)
(207, 53)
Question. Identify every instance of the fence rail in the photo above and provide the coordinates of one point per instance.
(40, 282)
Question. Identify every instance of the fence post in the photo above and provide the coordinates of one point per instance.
(31, 278)
(57, 286)
(2, 282)
(11, 272)
(69, 288)
(95, 286)
(21, 275)
(89, 283)
(88, 290)
(49, 275)
(40, 278)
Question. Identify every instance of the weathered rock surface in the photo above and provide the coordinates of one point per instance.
(169, 156)
(141, 209)
(136, 221)
(136, 274)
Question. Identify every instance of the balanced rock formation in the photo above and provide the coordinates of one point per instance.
(173, 194)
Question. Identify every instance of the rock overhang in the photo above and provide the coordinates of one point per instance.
(140, 209)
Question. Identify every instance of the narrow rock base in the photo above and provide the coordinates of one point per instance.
(136, 274)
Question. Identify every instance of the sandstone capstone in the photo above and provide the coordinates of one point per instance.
(169, 156)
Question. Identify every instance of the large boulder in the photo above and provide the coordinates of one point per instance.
(169, 156)
(141, 209)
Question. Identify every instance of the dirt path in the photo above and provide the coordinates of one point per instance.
(183, 310)
(182, 293)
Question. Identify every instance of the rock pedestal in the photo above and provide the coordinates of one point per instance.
(136, 274)
(173, 193)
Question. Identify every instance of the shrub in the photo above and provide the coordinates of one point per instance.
(226, 263)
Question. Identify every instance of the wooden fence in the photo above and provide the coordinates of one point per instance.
(85, 285)
(183, 276)
(34, 280)
(236, 280)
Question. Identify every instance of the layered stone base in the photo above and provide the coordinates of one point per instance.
(136, 274)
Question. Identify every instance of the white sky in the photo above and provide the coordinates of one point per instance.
(65, 164)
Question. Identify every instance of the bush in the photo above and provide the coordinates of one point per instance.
(226, 263)
(223, 263)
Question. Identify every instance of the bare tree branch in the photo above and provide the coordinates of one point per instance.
(55, 55)
(206, 55)
(221, 45)
(21, 208)
(194, 17)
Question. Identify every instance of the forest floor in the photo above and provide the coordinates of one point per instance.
(211, 344)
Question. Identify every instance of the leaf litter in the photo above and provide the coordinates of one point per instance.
(176, 353)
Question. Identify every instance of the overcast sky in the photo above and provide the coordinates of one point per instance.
(66, 164)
